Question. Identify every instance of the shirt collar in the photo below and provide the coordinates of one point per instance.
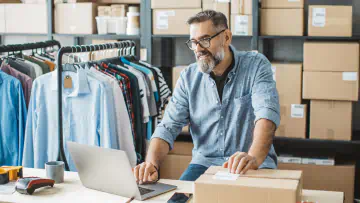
(82, 86)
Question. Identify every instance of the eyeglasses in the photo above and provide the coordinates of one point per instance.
(204, 43)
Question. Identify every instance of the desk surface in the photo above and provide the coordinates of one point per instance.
(72, 191)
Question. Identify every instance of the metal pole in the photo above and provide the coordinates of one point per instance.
(255, 37)
(50, 4)
(145, 28)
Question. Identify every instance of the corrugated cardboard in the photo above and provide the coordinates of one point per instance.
(2, 18)
(156, 4)
(182, 148)
(219, 7)
(330, 21)
(322, 196)
(241, 25)
(260, 186)
(331, 120)
(241, 7)
(26, 18)
(173, 166)
(176, 71)
(10, 1)
(342, 86)
(172, 21)
(328, 178)
(282, 22)
(293, 121)
(282, 4)
(82, 17)
(331, 56)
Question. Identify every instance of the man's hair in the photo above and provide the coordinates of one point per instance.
(218, 19)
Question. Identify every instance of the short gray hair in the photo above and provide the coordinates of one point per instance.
(218, 19)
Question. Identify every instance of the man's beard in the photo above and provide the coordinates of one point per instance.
(206, 65)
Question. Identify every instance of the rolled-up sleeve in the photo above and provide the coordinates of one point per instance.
(176, 113)
(265, 98)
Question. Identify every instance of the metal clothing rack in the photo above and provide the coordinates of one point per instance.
(81, 49)
(29, 46)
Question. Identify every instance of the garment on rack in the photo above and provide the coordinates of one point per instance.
(20, 65)
(12, 120)
(88, 118)
(44, 67)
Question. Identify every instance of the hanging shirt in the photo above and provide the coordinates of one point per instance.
(37, 68)
(12, 120)
(20, 65)
(45, 68)
(88, 118)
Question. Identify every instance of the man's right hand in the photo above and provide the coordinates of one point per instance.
(146, 173)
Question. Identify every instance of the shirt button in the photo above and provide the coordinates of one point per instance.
(222, 117)
(221, 149)
(217, 101)
(221, 133)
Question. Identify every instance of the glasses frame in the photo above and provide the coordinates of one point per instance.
(204, 39)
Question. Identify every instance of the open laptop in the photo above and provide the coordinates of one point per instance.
(109, 170)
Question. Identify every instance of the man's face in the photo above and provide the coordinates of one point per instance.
(207, 58)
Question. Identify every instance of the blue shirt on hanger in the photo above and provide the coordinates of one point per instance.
(12, 120)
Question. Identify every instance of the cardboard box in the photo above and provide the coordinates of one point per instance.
(220, 7)
(241, 7)
(282, 4)
(331, 56)
(182, 148)
(176, 71)
(10, 1)
(328, 178)
(173, 166)
(82, 17)
(156, 4)
(241, 25)
(342, 86)
(330, 21)
(118, 1)
(172, 21)
(293, 121)
(256, 186)
(282, 22)
(2, 18)
(331, 120)
(322, 196)
(33, 18)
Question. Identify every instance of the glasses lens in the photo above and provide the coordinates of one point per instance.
(191, 45)
(204, 43)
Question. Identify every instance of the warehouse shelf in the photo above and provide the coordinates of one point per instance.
(320, 38)
(97, 36)
(188, 36)
(23, 34)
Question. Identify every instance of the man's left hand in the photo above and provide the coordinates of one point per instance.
(240, 163)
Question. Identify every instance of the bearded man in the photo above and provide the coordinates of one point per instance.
(230, 100)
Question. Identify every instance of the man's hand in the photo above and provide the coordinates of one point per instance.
(145, 173)
(240, 163)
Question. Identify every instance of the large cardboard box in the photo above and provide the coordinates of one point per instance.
(328, 178)
(172, 21)
(156, 4)
(331, 56)
(342, 86)
(26, 18)
(330, 21)
(241, 25)
(118, 1)
(173, 166)
(182, 148)
(322, 196)
(330, 120)
(241, 7)
(282, 4)
(282, 22)
(2, 18)
(176, 71)
(82, 17)
(256, 186)
(293, 121)
(220, 7)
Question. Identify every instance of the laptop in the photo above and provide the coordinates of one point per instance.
(109, 171)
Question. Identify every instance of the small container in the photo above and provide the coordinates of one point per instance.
(132, 31)
(117, 25)
(102, 24)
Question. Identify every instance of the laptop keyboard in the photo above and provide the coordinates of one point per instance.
(144, 191)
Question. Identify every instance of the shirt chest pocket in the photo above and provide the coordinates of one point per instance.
(242, 105)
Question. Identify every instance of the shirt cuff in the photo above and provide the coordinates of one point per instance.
(162, 133)
(268, 114)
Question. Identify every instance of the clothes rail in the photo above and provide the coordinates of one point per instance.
(128, 46)
(29, 46)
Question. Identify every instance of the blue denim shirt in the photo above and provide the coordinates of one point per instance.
(221, 129)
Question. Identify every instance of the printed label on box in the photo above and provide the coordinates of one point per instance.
(162, 19)
(349, 76)
(297, 110)
(273, 68)
(242, 25)
(222, 175)
(319, 17)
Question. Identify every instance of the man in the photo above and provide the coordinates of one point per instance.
(230, 100)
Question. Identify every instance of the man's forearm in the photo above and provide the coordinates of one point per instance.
(262, 141)
(157, 151)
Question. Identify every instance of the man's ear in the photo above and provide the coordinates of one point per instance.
(228, 37)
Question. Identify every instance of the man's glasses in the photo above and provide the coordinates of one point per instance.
(204, 43)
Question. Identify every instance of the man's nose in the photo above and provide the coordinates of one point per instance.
(198, 48)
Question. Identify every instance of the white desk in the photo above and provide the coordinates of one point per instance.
(72, 191)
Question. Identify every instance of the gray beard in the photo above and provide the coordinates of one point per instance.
(207, 67)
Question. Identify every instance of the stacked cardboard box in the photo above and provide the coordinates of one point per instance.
(282, 17)
(330, 80)
(241, 17)
(293, 112)
(169, 16)
(220, 6)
